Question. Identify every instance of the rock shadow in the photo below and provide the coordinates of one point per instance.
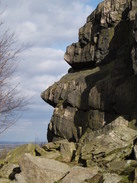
(114, 87)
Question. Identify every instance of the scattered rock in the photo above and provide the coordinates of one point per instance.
(107, 145)
(51, 146)
(123, 167)
(98, 178)
(79, 175)
(60, 149)
(113, 178)
(68, 151)
(53, 155)
(15, 155)
(41, 170)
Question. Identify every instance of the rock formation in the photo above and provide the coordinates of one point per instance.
(96, 102)
(93, 131)
(101, 84)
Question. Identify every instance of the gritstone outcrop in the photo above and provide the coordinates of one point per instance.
(96, 102)
(101, 84)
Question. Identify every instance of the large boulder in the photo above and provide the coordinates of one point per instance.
(42, 170)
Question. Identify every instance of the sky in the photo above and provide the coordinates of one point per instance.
(44, 28)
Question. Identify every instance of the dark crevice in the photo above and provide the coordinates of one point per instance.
(131, 156)
(73, 156)
(83, 65)
(135, 141)
(73, 139)
(131, 176)
(125, 14)
(37, 153)
(1, 165)
(82, 162)
(14, 172)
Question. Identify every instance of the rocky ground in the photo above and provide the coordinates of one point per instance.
(93, 130)
(105, 156)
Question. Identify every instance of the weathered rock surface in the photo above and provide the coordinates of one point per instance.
(41, 169)
(62, 150)
(108, 153)
(96, 101)
(10, 165)
(33, 169)
(102, 83)
(113, 178)
(72, 91)
(103, 147)
(79, 175)
(2, 180)
(107, 30)
(15, 155)
(9, 170)
(45, 170)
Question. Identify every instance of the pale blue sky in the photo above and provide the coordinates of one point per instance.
(46, 28)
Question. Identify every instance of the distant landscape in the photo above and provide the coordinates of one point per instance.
(11, 145)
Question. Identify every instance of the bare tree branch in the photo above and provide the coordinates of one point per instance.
(11, 102)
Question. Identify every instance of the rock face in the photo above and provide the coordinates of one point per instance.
(101, 84)
(96, 101)
(107, 30)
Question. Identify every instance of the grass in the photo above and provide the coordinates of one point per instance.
(4, 152)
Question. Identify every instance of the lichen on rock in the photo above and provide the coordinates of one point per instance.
(96, 101)
(102, 83)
